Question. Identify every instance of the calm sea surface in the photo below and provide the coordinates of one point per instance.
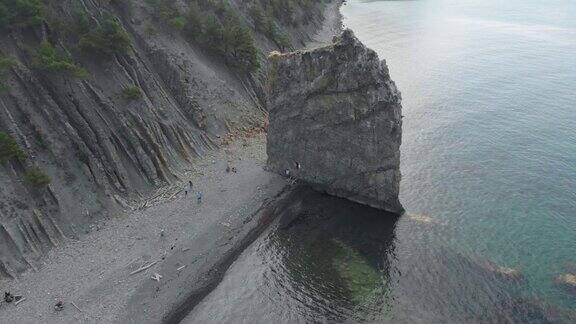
(489, 181)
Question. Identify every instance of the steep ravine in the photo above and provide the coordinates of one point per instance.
(105, 153)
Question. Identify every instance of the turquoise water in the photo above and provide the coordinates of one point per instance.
(489, 142)
(489, 182)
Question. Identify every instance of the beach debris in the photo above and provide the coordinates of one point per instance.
(567, 280)
(8, 297)
(59, 306)
(186, 249)
(180, 268)
(420, 218)
(143, 268)
(226, 224)
(19, 301)
(156, 277)
(76, 306)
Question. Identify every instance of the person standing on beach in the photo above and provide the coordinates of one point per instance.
(199, 196)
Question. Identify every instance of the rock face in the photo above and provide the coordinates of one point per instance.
(335, 122)
(104, 152)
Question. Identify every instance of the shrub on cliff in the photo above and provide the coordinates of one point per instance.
(131, 93)
(47, 58)
(108, 38)
(36, 177)
(212, 34)
(223, 35)
(20, 13)
(258, 17)
(240, 49)
(285, 10)
(5, 64)
(279, 38)
(125, 6)
(265, 24)
(9, 149)
(194, 21)
(167, 12)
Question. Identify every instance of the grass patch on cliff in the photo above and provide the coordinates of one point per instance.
(218, 29)
(9, 149)
(36, 177)
(20, 13)
(264, 23)
(48, 58)
(107, 39)
(166, 11)
(131, 93)
(5, 64)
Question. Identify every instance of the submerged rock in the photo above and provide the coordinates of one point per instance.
(335, 122)
(568, 281)
(503, 272)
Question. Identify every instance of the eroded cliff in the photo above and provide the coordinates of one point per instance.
(335, 122)
(108, 100)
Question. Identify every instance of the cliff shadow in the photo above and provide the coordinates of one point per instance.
(337, 250)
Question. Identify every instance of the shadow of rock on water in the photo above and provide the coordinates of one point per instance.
(352, 256)
(331, 260)
(336, 250)
(326, 259)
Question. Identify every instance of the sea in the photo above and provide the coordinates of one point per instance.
(489, 183)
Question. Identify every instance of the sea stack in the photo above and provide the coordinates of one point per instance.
(335, 122)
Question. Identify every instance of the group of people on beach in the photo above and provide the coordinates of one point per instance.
(198, 193)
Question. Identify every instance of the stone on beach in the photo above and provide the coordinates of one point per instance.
(335, 122)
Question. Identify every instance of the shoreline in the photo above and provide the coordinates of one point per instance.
(97, 272)
(189, 245)
(266, 214)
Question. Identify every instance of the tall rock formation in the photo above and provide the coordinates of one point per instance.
(335, 122)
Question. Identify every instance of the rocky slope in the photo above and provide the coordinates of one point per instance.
(102, 122)
(335, 122)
